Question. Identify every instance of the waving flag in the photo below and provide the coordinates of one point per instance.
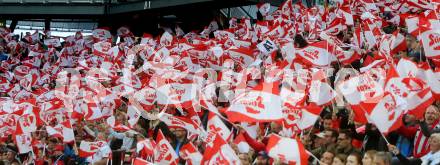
(359, 90)
(321, 93)
(146, 98)
(302, 117)
(261, 104)
(165, 153)
(101, 49)
(139, 161)
(242, 55)
(219, 152)
(87, 149)
(181, 122)
(190, 153)
(386, 115)
(431, 42)
(63, 130)
(317, 54)
(286, 150)
(23, 142)
(432, 78)
(101, 34)
(176, 93)
(412, 94)
(28, 121)
(146, 148)
(216, 126)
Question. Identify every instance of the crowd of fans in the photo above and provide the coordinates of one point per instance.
(335, 139)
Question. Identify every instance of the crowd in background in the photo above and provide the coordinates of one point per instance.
(336, 138)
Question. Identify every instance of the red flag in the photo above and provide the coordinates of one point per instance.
(63, 130)
(180, 122)
(386, 114)
(139, 161)
(87, 149)
(190, 153)
(219, 152)
(165, 153)
(261, 104)
(317, 54)
(287, 150)
(216, 126)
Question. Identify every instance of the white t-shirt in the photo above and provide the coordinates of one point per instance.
(431, 158)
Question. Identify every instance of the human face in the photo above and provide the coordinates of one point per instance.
(434, 143)
(367, 160)
(261, 160)
(431, 115)
(327, 158)
(343, 140)
(180, 133)
(337, 161)
(328, 137)
(327, 124)
(244, 158)
(352, 160)
(378, 161)
(275, 128)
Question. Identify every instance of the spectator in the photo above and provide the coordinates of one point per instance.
(354, 159)
(339, 159)
(368, 157)
(329, 141)
(382, 158)
(432, 158)
(3, 55)
(327, 157)
(422, 132)
(344, 145)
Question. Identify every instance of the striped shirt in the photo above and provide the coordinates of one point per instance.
(421, 146)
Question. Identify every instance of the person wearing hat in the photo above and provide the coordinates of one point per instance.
(329, 138)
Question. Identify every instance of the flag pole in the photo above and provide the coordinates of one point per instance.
(385, 138)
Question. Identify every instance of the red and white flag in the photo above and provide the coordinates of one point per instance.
(219, 152)
(23, 142)
(63, 130)
(242, 55)
(180, 122)
(101, 34)
(412, 95)
(286, 150)
(176, 93)
(164, 153)
(261, 104)
(190, 153)
(432, 78)
(27, 123)
(317, 54)
(216, 126)
(359, 90)
(87, 149)
(303, 117)
(346, 14)
(146, 149)
(140, 161)
(242, 145)
(146, 98)
(386, 114)
(321, 93)
(263, 8)
(431, 42)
